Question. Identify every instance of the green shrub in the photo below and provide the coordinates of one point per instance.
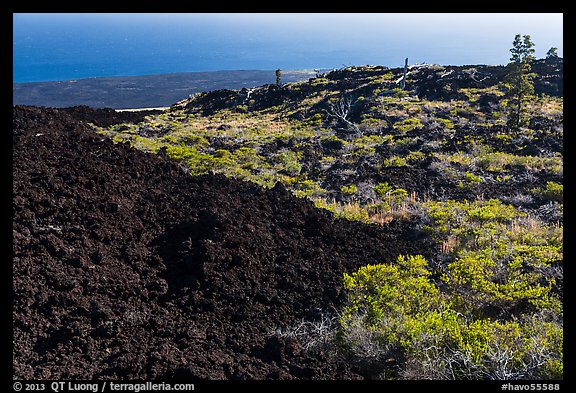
(414, 157)
(392, 196)
(348, 211)
(397, 311)
(374, 291)
(349, 190)
(399, 195)
(397, 93)
(382, 189)
(332, 143)
(319, 81)
(407, 125)
(447, 123)
(315, 121)
(307, 188)
(288, 161)
(554, 192)
(394, 162)
(180, 152)
(503, 260)
(472, 178)
(498, 314)
(247, 158)
(194, 140)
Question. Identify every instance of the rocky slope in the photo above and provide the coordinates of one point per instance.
(127, 268)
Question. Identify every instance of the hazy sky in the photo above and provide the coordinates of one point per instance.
(290, 40)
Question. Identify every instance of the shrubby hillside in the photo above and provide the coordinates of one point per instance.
(336, 228)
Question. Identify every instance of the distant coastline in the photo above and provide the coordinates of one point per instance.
(161, 90)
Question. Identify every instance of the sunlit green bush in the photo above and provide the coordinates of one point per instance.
(397, 311)
(349, 190)
(553, 191)
(407, 125)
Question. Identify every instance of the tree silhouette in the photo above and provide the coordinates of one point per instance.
(279, 77)
(520, 79)
(552, 53)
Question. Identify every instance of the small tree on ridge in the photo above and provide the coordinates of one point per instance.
(519, 77)
(279, 77)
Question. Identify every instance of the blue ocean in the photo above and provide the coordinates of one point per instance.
(54, 47)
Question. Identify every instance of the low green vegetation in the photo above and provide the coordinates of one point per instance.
(489, 308)
(487, 190)
(396, 311)
(301, 145)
